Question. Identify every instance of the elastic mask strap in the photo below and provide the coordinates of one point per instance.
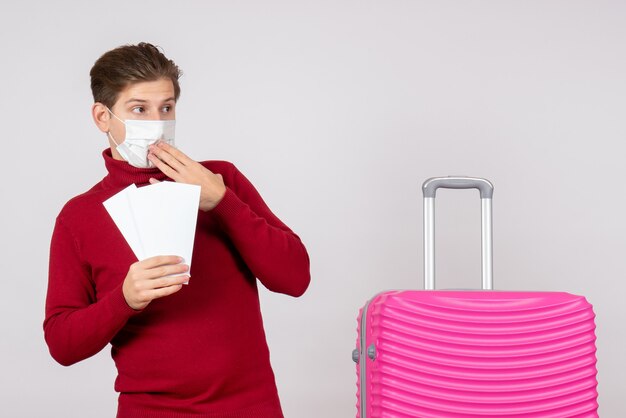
(109, 133)
(114, 115)
(113, 139)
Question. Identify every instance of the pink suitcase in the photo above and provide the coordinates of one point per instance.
(471, 354)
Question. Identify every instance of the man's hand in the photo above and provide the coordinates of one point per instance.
(182, 169)
(146, 280)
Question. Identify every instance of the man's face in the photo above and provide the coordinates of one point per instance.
(147, 100)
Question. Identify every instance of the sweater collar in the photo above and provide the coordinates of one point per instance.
(122, 174)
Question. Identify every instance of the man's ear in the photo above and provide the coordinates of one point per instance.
(101, 116)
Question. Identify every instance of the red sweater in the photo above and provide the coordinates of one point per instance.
(200, 352)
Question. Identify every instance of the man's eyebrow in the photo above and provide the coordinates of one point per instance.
(131, 100)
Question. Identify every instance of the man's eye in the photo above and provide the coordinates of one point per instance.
(138, 109)
(166, 108)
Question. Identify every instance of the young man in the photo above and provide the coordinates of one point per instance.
(197, 350)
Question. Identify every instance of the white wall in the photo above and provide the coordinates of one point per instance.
(337, 111)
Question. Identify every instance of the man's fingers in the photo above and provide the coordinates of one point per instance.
(178, 154)
(168, 281)
(163, 271)
(166, 169)
(159, 266)
(164, 291)
(167, 157)
(160, 260)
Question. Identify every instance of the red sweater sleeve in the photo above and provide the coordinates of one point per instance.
(274, 254)
(76, 325)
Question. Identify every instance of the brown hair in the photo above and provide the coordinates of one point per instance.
(128, 64)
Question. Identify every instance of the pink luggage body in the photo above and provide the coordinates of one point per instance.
(471, 354)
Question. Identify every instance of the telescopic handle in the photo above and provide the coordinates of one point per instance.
(429, 189)
(483, 185)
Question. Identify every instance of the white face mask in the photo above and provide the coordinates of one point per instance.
(140, 134)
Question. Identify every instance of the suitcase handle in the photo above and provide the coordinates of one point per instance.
(484, 186)
(429, 188)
